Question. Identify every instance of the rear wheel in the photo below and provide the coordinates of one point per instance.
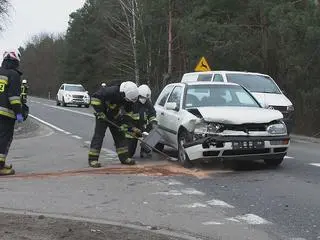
(183, 158)
(273, 162)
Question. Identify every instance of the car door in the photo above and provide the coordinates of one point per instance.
(172, 117)
(159, 107)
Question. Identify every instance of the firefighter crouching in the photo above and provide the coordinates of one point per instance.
(111, 103)
(10, 105)
(144, 118)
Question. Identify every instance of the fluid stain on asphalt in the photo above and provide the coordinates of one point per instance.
(140, 170)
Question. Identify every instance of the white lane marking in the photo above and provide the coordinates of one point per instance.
(76, 137)
(195, 205)
(216, 202)
(169, 193)
(69, 110)
(315, 164)
(252, 219)
(192, 191)
(48, 124)
(233, 220)
(211, 223)
(299, 238)
(108, 151)
(173, 182)
(288, 157)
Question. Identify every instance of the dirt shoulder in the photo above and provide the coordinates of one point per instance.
(23, 227)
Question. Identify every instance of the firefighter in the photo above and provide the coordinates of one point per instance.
(24, 91)
(144, 118)
(10, 105)
(111, 103)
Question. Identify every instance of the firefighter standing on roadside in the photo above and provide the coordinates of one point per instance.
(24, 91)
(144, 118)
(111, 103)
(10, 105)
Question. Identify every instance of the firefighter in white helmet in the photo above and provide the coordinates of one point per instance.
(24, 91)
(111, 103)
(144, 118)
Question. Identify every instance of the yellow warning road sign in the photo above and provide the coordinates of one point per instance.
(202, 66)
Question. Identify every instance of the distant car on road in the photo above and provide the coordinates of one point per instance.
(219, 121)
(74, 94)
(262, 86)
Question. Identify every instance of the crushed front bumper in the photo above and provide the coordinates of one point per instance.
(227, 147)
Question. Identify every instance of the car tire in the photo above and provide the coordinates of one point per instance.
(87, 106)
(79, 106)
(273, 162)
(63, 102)
(183, 158)
(159, 147)
(57, 102)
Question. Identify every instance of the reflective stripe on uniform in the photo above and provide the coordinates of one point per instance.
(4, 79)
(95, 101)
(134, 116)
(2, 158)
(127, 135)
(152, 118)
(112, 106)
(94, 152)
(122, 150)
(14, 100)
(7, 112)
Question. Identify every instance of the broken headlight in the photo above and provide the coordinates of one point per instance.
(207, 128)
(277, 128)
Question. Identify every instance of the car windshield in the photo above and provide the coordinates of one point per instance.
(218, 95)
(254, 83)
(74, 88)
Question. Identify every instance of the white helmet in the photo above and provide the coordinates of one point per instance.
(24, 81)
(130, 90)
(12, 54)
(103, 85)
(144, 93)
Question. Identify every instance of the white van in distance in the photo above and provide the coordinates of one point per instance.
(262, 87)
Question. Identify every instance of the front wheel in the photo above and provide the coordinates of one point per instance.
(273, 162)
(63, 103)
(87, 106)
(183, 158)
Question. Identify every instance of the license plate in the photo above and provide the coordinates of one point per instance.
(247, 144)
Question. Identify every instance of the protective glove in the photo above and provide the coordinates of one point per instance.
(19, 118)
(100, 115)
(136, 132)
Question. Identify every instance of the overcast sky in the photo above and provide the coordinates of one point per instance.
(30, 17)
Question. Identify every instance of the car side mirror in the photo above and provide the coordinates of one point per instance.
(172, 106)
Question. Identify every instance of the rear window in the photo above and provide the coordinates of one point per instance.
(204, 77)
(254, 83)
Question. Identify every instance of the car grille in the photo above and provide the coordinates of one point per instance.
(245, 152)
(246, 127)
(78, 96)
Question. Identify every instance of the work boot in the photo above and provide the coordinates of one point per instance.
(94, 164)
(129, 161)
(6, 171)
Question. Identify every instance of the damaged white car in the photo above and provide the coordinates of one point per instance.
(219, 121)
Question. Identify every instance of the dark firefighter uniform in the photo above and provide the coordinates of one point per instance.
(109, 103)
(24, 92)
(142, 117)
(10, 107)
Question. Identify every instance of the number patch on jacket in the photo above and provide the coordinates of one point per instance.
(2, 86)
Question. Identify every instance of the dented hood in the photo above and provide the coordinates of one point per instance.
(239, 115)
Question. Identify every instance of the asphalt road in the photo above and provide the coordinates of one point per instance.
(283, 203)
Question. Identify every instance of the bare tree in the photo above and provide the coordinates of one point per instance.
(4, 11)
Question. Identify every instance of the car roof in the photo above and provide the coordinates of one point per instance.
(227, 72)
(205, 83)
(71, 84)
